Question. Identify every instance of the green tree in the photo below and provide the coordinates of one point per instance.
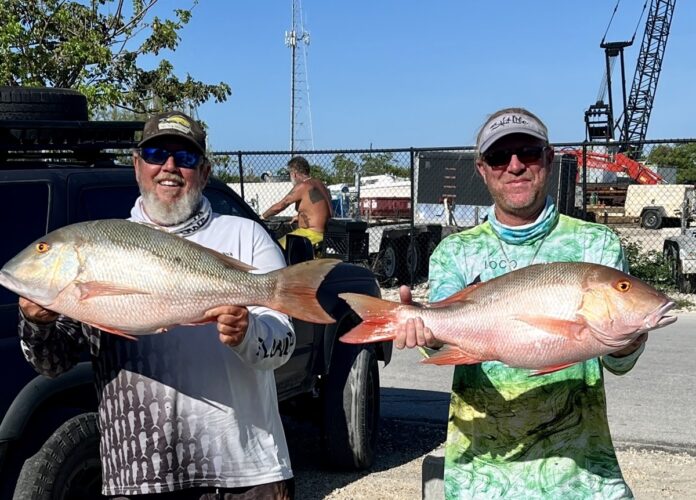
(319, 172)
(344, 168)
(95, 47)
(381, 163)
(682, 156)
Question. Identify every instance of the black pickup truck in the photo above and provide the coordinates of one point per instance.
(58, 168)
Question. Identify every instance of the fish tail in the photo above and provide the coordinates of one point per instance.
(295, 293)
(378, 319)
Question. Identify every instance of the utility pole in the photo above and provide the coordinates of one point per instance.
(300, 111)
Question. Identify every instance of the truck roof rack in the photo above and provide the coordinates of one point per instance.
(84, 142)
(52, 135)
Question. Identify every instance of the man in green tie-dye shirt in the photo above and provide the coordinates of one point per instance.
(511, 435)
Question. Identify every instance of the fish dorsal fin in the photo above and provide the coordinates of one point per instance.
(228, 261)
(456, 298)
(150, 225)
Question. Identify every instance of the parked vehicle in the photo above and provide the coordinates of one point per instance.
(57, 168)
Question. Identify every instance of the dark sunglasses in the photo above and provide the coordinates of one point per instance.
(502, 157)
(182, 158)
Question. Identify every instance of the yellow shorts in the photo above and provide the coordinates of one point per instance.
(314, 236)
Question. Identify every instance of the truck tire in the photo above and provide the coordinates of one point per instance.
(67, 467)
(350, 407)
(651, 219)
(17, 103)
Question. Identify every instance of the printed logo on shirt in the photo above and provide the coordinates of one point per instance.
(280, 347)
(501, 264)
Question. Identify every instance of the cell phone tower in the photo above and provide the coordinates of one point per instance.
(301, 133)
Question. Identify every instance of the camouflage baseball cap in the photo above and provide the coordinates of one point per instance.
(174, 123)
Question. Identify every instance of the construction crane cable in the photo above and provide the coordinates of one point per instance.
(642, 13)
(610, 20)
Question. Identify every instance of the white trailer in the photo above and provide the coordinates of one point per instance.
(655, 204)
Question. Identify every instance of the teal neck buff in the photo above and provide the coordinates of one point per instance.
(529, 233)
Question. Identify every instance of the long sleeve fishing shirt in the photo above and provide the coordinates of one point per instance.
(181, 409)
(520, 437)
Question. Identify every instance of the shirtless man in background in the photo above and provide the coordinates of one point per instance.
(312, 201)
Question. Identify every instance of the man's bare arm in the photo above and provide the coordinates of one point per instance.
(293, 196)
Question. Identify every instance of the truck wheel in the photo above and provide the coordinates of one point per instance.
(18, 103)
(350, 398)
(67, 466)
(651, 219)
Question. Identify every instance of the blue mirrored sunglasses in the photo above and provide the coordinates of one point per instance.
(182, 157)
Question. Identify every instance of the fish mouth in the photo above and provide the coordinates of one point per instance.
(8, 281)
(658, 318)
(14, 285)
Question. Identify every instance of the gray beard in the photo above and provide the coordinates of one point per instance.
(171, 214)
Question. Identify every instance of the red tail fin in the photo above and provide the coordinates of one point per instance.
(378, 319)
(296, 290)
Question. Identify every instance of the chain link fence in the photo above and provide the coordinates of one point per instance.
(393, 206)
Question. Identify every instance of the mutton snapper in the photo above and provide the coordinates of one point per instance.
(544, 317)
(130, 278)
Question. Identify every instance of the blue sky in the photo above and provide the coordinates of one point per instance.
(390, 73)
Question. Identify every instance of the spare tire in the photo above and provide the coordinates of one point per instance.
(41, 103)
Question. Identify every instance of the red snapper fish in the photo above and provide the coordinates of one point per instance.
(129, 278)
(543, 317)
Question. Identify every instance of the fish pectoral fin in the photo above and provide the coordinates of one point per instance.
(451, 355)
(455, 298)
(89, 289)
(550, 369)
(573, 330)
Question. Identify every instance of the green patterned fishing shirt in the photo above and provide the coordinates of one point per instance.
(512, 435)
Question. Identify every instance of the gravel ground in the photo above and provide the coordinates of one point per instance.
(396, 473)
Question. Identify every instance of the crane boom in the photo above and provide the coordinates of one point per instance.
(617, 162)
(632, 124)
(640, 100)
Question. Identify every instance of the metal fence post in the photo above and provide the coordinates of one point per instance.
(413, 268)
(241, 174)
(584, 180)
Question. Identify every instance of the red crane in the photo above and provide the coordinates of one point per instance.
(617, 162)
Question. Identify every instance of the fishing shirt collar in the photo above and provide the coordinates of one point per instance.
(529, 233)
(200, 218)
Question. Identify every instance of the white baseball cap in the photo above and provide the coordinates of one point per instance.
(504, 124)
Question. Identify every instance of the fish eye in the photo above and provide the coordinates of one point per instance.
(42, 247)
(623, 285)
